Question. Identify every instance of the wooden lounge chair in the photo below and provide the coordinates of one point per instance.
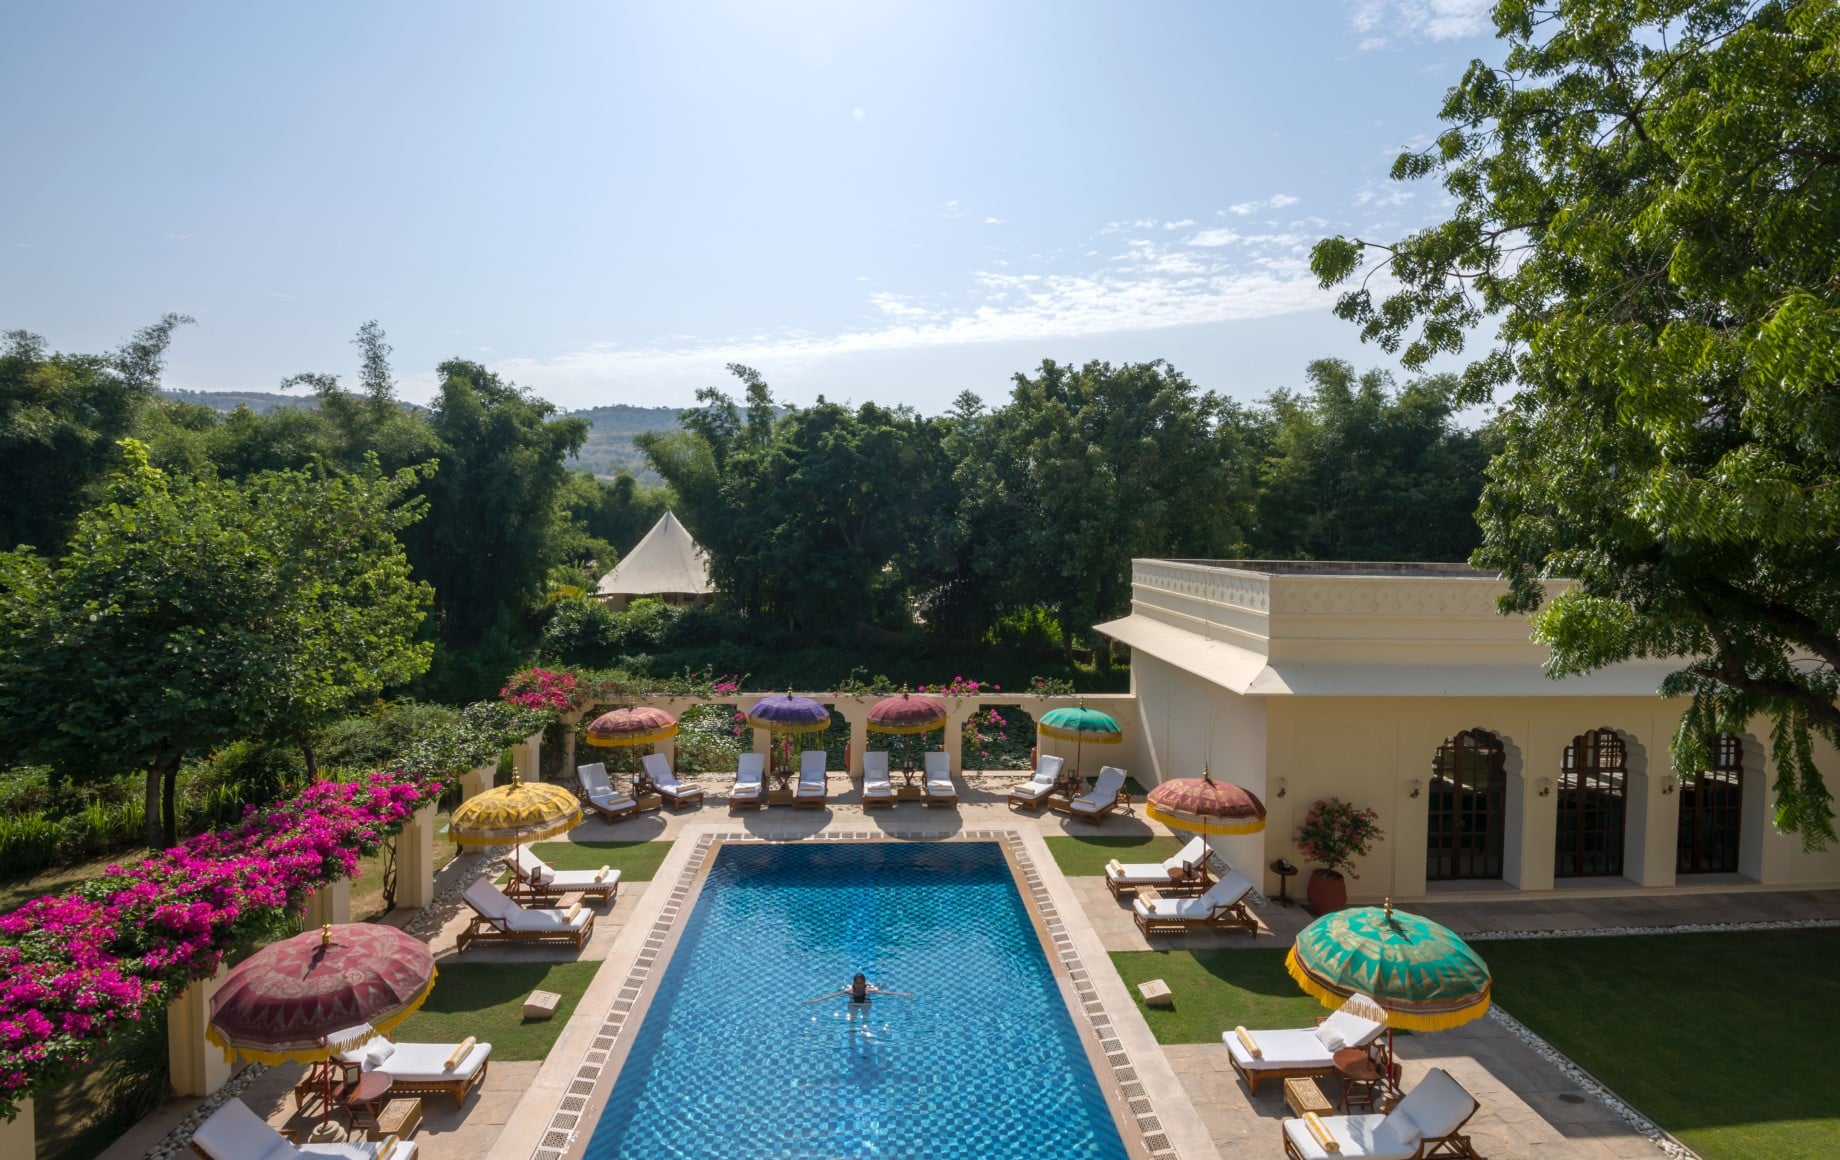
(533, 876)
(749, 790)
(499, 919)
(878, 789)
(444, 1068)
(938, 787)
(664, 779)
(1104, 797)
(1224, 904)
(1186, 872)
(814, 784)
(600, 796)
(1294, 1052)
(1034, 792)
(1427, 1123)
(233, 1132)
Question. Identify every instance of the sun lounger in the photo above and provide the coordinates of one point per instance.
(1428, 1122)
(1291, 1052)
(938, 787)
(451, 1068)
(1034, 792)
(1224, 904)
(749, 790)
(606, 801)
(499, 919)
(664, 779)
(814, 786)
(878, 789)
(534, 876)
(233, 1132)
(1187, 870)
(1104, 796)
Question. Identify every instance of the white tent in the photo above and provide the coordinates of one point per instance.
(667, 563)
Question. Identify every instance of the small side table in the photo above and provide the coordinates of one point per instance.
(366, 1098)
(1363, 1084)
(649, 802)
(399, 1118)
(1301, 1094)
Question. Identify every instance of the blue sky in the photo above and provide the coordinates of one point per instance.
(609, 202)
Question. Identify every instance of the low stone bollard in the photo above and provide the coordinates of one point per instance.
(1156, 993)
(540, 1006)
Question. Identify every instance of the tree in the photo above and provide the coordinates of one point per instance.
(60, 416)
(1355, 470)
(1088, 467)
(1647, 199)
(190, 612)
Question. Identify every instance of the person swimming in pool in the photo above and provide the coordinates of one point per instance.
(859, 991)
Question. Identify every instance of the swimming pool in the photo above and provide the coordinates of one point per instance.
(732, 1060)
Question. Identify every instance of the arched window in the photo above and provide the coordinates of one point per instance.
(1593, 803)
(1467, 810)
(1711, 808)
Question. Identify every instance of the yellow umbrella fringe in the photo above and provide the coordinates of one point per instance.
(1401, 1020)
(1216, 826)
(512, 835)
(1075, 735)
(896, 729)
(232, 1052)
(636, 739)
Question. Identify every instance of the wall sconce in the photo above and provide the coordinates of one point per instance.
(1417, 785)
(1543, 787)
(1669, 783)
(1284, 787)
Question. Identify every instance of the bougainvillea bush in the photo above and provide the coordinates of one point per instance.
(73, 966)
(1334, 833)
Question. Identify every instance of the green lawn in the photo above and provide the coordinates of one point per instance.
(1725, 1040)
(1217, 990)
(486, 1001)
(1079, 856)
(1722, 1039)
(636, 861)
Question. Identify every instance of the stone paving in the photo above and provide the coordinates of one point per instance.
(1528, 1107)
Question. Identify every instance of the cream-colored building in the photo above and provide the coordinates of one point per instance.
(1401, 687)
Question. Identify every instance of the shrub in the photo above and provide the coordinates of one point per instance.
(580, 632)
(709, 739)
(1334, 833)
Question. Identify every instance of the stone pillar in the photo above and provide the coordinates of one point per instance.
(330, 903)
(954, 740)
(1652, 829)
(18, 1139)
(477, 780)
(568, 750)
(1533, 818)
(857, 714)
(198, 1065)
(668, 750)
(527, 757)
(415, 860)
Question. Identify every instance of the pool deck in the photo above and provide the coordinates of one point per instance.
(1185, 1099)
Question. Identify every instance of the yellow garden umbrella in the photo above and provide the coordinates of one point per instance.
(514, 814)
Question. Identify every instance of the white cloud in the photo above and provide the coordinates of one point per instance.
(1179, 225)
(1217, 237)
(1280, 200)
(1275, 201)
(1148, 287)
(1381, 20)
(993, 221)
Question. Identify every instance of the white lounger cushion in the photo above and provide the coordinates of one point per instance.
(491, 902)
(233, 1132)
(417, 1061)
(875, 763)
(1437, 1106)
(658, 768)
(748, 772)
(1293, 1047)
(1032, 790)
(593, 779)
(939, 775)
(812, 779)
(1151, 873)
(540, 872)
(1104, 792)
(1230, 889)
(1362, 1137)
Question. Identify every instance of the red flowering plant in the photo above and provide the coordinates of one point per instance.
(1334, 833)
(541, 690)
(74, 966)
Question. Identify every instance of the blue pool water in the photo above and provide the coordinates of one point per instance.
(983, 1060)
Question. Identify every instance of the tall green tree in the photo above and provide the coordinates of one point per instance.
(194, 611)
(1353, 469)
(1087, 467)
(1647, 201)
(60, 416)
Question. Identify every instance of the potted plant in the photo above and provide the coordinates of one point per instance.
(1333, 834)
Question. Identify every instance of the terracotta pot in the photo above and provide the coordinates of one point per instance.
(1328, 891)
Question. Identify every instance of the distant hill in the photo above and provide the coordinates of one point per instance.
(609, 448)
(610, 444)
(261, 402)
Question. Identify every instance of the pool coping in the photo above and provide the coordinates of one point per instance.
(555, 1116)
